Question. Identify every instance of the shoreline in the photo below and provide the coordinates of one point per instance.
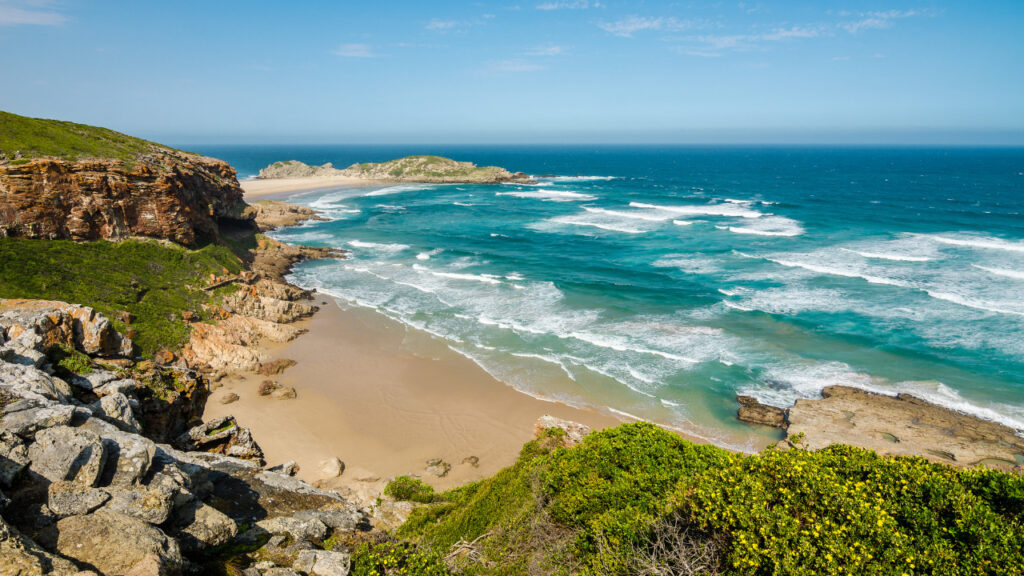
(384, 399)
(280, 188)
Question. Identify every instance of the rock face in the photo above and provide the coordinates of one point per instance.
(56, 323)
(900, 425)
(117, 543)
(270, 215)
(753, 411)
(574, 431)
(428, 169)
(168, 194)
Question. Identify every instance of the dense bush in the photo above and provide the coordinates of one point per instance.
(410, 489)
(639, 500)
(395, 559)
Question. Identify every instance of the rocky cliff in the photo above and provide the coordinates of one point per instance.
(120, 187)
(427, 169)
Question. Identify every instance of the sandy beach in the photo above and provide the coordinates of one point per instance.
(255, 189)
(385, 399)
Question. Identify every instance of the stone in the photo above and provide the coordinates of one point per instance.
(116, 544)
(332, 467)
(438, 467)
(751, 410)
(163, 356)
(13, 457)
(201, 526)
(128, 456)
(266, 387)
(71, 499)
(473, 461)
(229, 398)
(574, 431)
(33, 418)
(20, 556)
(94, 379)
(32, 383)
(116, 409)
(284, 394)
(275, 367)
(152, 504)
(289, 468)
(64, 453)
(126, 386)
(280, 571)
(322, 562)
(222, 435)
(338, 520)
(60, 323)
(297, 529)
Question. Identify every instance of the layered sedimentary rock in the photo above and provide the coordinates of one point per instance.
(171, 195)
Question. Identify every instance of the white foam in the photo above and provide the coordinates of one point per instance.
(463, 204)
(427, 255)
(603, 223)
(550, 195)
(892, 257)
(1015, 274)
(396, 190)
(979, 242)
(647, 215)
(683, 222)
(485, 278)
(973, 303)
(379, 246)
(770, 226)
(730, 210)
(581, 178)
(834, 271)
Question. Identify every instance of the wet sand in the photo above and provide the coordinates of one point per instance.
(255, 189)
(385, 399)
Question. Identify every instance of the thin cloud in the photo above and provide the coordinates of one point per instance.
(877, 20)
(441, 25)
(547, 50)
(568, 5)
(515, 65)
(626, 27)
(29, 12)
(354, 51)
(712, 45)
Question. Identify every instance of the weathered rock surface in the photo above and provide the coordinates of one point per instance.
(13, 457)
(574, 431)
(902, 425)
(56, 323)
(751, 410)
(224, 436)
(71, 499)
(169, 194)
(116, 409)
(20, 556)
(116, 543)
(270, 215)
(438, 467)
(65, 453)
(322, 563)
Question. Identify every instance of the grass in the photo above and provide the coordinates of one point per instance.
(155, 282)
(639, 500)
(37, 138)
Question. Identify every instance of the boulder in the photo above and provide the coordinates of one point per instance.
(93, 380)
(229, 398)
(322, 563)
(56, 323)
(284, 394)
(338, 519)
(438, 467)
(275, 367)
(71, 499)
(222, 435)
(751, 410)
(129, 456)
(116, 544)
(20, 556)
(32, 383)
(332, 467)
(116, 409)
(296, 528)
(574, 431)
(65, 453)
(150, 504)
(13, 457)
(27, 418)
(200, 526)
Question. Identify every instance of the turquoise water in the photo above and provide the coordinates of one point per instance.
(661, 282)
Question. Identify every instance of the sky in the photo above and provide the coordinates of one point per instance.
(537, 71)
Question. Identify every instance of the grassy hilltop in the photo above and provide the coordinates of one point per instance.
(40, 138)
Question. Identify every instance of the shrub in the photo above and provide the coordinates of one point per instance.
(410, 489)
(396, 559)
(67, 360)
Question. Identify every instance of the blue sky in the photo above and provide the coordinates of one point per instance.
(544, 71)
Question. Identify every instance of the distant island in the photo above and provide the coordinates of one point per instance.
(421, 168)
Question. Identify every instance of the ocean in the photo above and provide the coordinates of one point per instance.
(660, 282)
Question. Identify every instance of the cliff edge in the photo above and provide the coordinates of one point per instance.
(61, 180)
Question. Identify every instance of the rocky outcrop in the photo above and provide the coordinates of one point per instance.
(83, 490)
(753, 411)
(59, 323)
(426, 169)
(900, 425)
(270, 215)
(165, 194)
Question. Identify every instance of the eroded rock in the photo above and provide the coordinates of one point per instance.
(65, 453)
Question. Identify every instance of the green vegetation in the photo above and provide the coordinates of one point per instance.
(639, 500)
(429, 168)
(395, 559)
(155, 282)
(411, 490)
(35, 138)
(68, 361)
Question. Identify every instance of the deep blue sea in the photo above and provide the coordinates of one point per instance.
(660, 282)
